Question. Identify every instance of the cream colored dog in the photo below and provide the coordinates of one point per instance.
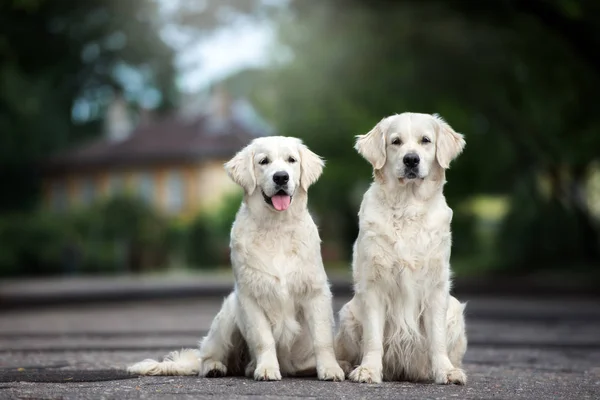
(279, 319)
(402, 323)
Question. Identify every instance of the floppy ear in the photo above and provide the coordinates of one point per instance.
(241, 169)
(372, 145)
(449, 143)
(311, 166)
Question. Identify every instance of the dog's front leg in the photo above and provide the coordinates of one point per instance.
(435, 328)
(319, 314)
(259, 336)
(373, 317)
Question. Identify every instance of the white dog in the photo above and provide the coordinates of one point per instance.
(279, 319)
(402, 323)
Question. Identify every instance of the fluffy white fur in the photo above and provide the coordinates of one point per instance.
(402, 323)
(279, 319)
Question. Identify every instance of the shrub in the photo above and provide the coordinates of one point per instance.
(120, 234)
(207, 242)
(31, 244)
(539, 234)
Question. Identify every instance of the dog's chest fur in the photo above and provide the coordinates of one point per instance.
(288, 261)
(279, 267)
(412, 237)
(279, 264)
(402, 253)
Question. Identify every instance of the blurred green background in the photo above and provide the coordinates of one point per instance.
(520, 79)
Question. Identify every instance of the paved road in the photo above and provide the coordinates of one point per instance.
(519, 348)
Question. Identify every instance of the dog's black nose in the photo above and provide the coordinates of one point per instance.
(411, 160)
(281, 177)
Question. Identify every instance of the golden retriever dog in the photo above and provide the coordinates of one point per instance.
(402, 323)
(279, 319)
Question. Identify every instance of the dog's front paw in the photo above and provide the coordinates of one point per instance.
(267, 373)
(456, 376)
(213, 369)
(331, 372)
(452, 376)
(366, 374)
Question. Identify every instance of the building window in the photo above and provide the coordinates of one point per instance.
(88, 191)
(146, 188)
(58, 194)
(116, 184)
(175, 192)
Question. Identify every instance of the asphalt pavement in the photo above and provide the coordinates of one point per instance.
(519, 348)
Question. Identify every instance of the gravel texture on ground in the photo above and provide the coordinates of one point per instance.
(519, 349)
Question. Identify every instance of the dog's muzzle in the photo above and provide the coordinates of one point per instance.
(411, 163)
(280, 201)
(411, 173)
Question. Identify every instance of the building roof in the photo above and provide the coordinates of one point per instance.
(174, 138)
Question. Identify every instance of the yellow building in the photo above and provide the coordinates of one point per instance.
(174, 162)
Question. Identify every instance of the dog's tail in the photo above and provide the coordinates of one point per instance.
(184, 362)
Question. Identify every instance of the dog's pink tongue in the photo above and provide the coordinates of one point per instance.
(281, 202)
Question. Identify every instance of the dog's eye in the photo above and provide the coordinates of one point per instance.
(291, 160)
(264, 161)
(396, 142)
(425, 140)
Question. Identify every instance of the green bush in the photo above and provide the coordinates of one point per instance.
(117, 235)
(121, 234)
(31, 244)
(538, 234)
(207, 241)
(465, 241)
(203, 248)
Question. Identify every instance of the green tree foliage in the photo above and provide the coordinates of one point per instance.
(121, 234)
(518, 78)
(207, 236)
(61, 57)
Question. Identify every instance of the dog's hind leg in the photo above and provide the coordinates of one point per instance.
(222, 338)
(348, 339)
(457, 336)
(304, 361)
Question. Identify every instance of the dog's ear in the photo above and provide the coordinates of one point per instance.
(449, 143)
(241, 169)
(372, 145)
(311, 166)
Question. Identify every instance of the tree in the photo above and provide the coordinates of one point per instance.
(62, 61)
(513, 75)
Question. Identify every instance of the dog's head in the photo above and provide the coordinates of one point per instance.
(409, 146)
(275, 168)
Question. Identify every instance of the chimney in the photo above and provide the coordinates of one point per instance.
(220, 106)
(146, 116)
(117, 123)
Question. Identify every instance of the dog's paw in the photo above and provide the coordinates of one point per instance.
(331, 372)
(213, 369)
(267, 373)
(452, 376)
(456, 376)
(346, 367)
(366, 374)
